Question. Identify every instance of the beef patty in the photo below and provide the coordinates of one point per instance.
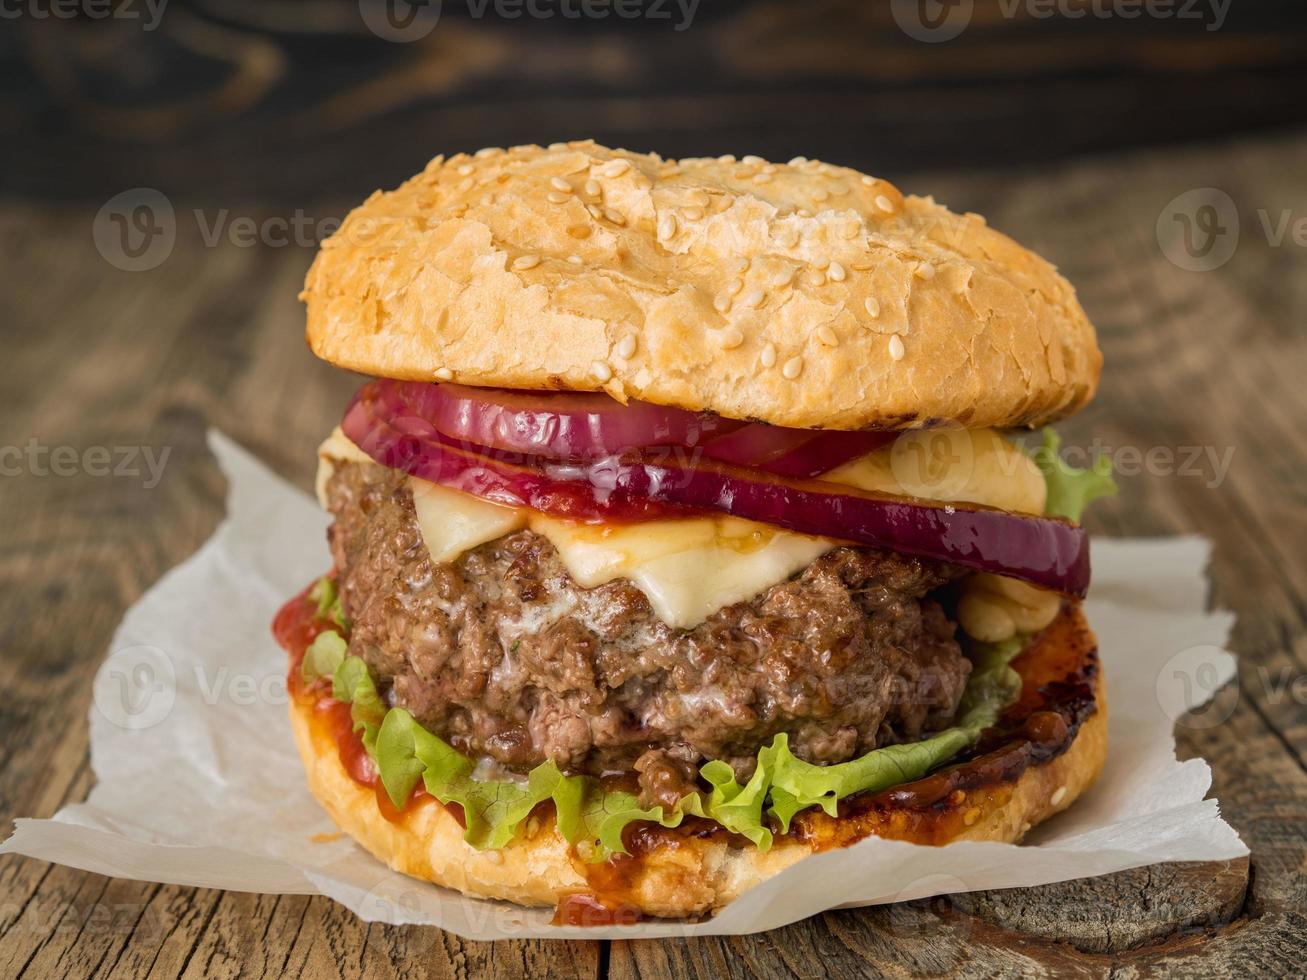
(504, 655)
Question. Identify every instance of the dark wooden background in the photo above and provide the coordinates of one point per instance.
(1074, 136)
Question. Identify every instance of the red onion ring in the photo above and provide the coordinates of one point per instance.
(1047, 552)
(570, 425)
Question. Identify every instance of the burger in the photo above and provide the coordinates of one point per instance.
(686, 527)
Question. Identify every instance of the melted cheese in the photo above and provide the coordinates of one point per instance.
(692, 567)
(688, 569)
(976, 466)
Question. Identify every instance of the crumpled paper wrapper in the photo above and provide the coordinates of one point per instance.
(199, 782)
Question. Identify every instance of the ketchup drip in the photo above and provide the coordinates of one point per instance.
(295, 627)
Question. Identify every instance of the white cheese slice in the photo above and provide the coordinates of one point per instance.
(453, 522)
(692, 567)
(688, 569)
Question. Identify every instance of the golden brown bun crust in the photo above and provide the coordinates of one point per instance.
(754, 290)
(696, 876)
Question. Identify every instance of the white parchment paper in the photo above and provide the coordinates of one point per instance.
(199, 782)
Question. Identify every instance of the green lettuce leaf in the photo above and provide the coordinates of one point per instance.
(494, 809)
(323, 656)
(352, 683)
(1070, 489)
(325, 596)
(594, 818)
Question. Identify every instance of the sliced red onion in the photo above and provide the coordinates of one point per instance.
(1047, 552)
(554, 424)
(792, 452)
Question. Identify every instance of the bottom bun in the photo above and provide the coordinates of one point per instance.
(1033, 771)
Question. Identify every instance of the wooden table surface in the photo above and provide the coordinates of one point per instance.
(98, 356)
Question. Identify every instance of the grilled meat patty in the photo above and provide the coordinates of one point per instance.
(505, 656)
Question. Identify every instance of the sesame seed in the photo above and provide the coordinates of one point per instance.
(868, 180)
(820, 194)
(466, 169)
(793, 368)
(784, 277)
(443, 374)
(721, 302)
(464, 185)
(803, 213)
(850, 230)
(734, 286)
(751, 160)
(694, 214)
(731, 338)
(739, 265)
(726, 158)
(762, 178)
(896, 347)
(556, 197)
(592, 187)
(526, 261)
(798, 161)
(487, 200)
(836, 272)
(884, 203)
(822, 263)
(788, 237)
(873, 306)
(971, 816)
(753, 298)
(666, 226)
(768, 356)
(626, 347)
(615, 168)
(814, 277)
(925, 271)
(601, 371)
(579, 231)
(827, 336)
(560, 185)
(1058, 796)
(574, 259)
(614, 217)
(699, 198)
(489, 151)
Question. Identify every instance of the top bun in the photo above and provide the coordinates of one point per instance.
(800, 294)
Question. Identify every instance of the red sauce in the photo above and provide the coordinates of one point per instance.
(295, 626)
(588, 910)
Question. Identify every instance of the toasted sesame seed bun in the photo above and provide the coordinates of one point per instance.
(694, 874)
(801, 294)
